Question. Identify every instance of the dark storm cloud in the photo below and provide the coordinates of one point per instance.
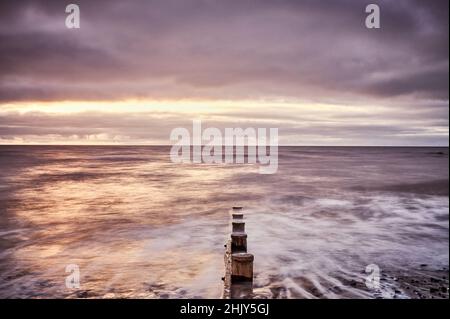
(309, 50)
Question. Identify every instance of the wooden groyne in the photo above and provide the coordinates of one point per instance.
(238, 279)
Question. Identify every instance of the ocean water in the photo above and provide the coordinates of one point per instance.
(139, 226)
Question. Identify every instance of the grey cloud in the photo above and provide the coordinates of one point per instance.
(431, 82)
(223, 49)
(310, 51)
(156, 127)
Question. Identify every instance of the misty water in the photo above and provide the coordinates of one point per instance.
(140, 226)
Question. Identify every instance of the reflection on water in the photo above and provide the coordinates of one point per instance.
(140, 226)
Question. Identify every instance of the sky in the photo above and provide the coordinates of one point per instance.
(137, 69)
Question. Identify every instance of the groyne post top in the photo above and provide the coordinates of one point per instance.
(241, 267)
(243, 257)
(238, 226)
(236, 212)
(238, 242)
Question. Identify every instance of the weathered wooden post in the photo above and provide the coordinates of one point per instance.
(241, 261)
(238, 226)
(238, 243)
(241, 267)
(237, 213)
(238, 235)
(238, 263)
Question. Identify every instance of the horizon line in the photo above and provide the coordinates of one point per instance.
(135, 145)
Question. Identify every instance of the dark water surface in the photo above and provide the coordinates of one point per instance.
(140, 226)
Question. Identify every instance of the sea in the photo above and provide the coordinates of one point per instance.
(130, 223)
